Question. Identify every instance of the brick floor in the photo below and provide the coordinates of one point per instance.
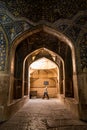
(39, 114)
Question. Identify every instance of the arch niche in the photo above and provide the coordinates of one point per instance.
(25, 43)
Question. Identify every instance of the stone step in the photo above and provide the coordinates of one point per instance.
(65, 123)
(69, 128)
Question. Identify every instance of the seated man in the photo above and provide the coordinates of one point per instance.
(45, 93)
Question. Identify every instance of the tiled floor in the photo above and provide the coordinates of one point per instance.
(39, 114)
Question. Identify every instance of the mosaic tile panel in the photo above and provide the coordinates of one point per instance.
(83, 51)
(15, 28)
(49, 10)
(73, 32)
(2, 51)
(62, 27)
(2, 4)
(4, 19)
(35, 11)
(82, 20)
(11, 25)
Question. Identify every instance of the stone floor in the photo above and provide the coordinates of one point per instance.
(39, 114)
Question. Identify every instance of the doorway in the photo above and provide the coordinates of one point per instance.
(43, 72)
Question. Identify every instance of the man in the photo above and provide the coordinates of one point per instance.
(45, 93)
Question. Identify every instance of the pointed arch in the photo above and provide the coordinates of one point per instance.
(53, 32)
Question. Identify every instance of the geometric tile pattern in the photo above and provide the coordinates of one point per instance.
(9, 29)
(42, 10)
(83, 51)
(73, 32)
(45, 10)
(2, 51)
(4, 19)
(15, 28)
(81, 20)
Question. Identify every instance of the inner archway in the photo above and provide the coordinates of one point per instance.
(43, 72)
(57, 65)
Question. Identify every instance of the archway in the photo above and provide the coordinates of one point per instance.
(63, 41)
(44, 53)
(43, 72)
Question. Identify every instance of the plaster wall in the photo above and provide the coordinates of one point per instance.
(37, 82)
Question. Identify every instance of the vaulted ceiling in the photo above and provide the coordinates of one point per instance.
(44, 40)
(68, 17)
(43, 63)
(49, 10)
